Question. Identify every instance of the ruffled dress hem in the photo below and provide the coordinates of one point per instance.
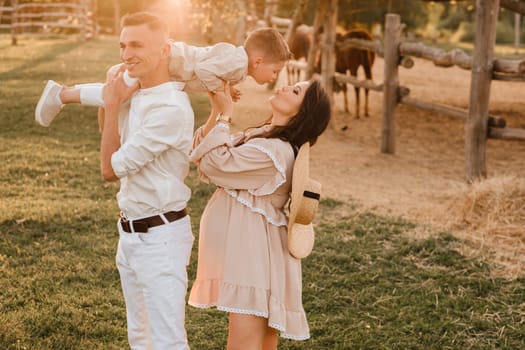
(235, 299)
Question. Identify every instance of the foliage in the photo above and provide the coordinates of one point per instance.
(208, 14)
(369, 284)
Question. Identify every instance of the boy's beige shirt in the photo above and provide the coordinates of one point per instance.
(207, 68)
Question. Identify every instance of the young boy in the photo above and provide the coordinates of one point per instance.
(263, 55)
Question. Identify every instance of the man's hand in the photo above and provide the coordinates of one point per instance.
(116, 91)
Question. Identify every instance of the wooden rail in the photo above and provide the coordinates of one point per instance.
(509, 134)
(48, 15)
(2, 10)
(457, 57)
(367, 84)
(60, 5)
(504, 69)
(450, 111)
(362, 44)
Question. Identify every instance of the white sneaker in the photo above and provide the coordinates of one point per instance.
(49, 104)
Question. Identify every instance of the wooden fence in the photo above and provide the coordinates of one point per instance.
(48, 17)
(479, 124)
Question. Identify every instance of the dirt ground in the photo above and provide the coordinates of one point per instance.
(429, 160)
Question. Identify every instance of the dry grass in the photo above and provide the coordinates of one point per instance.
(490, 215)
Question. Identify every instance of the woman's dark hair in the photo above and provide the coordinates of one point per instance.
(311, 120)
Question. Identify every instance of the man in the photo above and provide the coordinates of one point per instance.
(146, 140)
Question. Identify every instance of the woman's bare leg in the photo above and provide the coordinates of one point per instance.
(246, 332)
(270, 339)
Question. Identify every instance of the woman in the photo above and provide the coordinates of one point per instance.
(244, 266)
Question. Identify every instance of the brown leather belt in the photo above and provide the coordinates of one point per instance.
(142, 225)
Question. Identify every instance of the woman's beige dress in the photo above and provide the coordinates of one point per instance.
(243, 261)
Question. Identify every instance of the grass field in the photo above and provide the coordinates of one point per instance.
(368, 284)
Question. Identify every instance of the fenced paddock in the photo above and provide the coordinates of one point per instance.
(479, 125)
(48, 18)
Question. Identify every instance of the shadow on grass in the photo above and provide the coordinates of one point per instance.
(369, 285)
(51, 54)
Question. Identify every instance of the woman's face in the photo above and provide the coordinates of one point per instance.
(286, 102)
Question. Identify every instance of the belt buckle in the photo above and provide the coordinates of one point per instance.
(139, 226)
(133, 225)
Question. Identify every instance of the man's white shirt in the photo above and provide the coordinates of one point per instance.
(156, 132)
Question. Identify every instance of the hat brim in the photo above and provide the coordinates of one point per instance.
(301, 240)
(300, 175)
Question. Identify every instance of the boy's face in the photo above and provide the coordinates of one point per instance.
(141, 49)
(263, 71)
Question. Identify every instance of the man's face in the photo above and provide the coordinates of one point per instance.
(141, 49)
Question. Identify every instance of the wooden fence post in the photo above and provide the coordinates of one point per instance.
(14, 39)
(328, 52)
(481, 77)
(391, 82)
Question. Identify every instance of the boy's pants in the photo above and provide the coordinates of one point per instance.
(152, 269)
(91, 94)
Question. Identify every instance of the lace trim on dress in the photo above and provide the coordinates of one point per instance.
(254, 209)
(201, 306)
(265, 315)
(242, 311)
(275, 163)
(294, 337)
(276, 326)
(255, 313)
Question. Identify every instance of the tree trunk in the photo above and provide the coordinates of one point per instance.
(269, 10)
(316, 35)
(240, 29)
(328, 52)
(517, 26)
(296, 19)
(116, 16)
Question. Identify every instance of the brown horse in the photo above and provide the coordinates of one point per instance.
(300, 42)
(349, 60)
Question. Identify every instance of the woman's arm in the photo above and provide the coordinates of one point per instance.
(221, 104)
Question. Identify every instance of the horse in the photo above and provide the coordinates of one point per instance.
(299, 43)
(349, 60)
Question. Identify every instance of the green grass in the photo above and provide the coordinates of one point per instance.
(367, 285)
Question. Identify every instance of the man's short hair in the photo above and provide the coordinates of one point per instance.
(153, 21)
(270, 43)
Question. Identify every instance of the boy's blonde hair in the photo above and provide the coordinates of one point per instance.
(268, 42)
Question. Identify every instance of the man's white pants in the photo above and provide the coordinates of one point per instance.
(152, 269)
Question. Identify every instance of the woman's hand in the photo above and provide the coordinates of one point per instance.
(221, 101)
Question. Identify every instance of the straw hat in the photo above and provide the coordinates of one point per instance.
(303, 206)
